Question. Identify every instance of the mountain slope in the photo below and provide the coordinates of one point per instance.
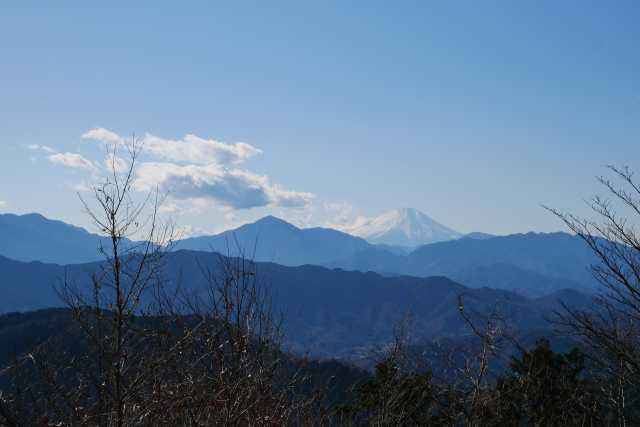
(33, 237)
(28, 286)
(325, 312)
(555, 255)
(272, 239)
(478, 235)
(403, 227)
(533, 264)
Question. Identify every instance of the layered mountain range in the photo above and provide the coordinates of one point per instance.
(532, 264)
(339, 294)
(326, 312)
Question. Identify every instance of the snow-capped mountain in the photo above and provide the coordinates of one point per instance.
(402, 227)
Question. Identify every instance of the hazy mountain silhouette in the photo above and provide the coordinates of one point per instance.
(325, 311)
(32, 237)
(275, 240)
(554, 255)
(532, 263)
(478, 235)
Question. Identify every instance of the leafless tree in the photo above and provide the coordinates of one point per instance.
(149, 352)
(611, 329)
(445, 382)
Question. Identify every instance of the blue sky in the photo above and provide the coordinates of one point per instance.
(473, 112)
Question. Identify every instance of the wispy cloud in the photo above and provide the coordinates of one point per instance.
(114, 162)
(103, 135)
(190, 149)
(72, 160)
(317, 212)
(38, 147)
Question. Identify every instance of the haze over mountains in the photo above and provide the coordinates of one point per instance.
(337, 292)
(274, 240)
(32, 237)
(532, 264)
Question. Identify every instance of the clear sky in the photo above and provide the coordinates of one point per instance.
(474, 112)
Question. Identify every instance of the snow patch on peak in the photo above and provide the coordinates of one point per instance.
(401, 227)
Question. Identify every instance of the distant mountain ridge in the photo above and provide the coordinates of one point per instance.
(32, 237)
(533, 264)
(402, 227)
(275, 240)
(325, 312)
(478, 236)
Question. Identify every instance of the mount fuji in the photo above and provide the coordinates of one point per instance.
(406, 227)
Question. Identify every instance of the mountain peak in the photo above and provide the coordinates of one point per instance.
(408, 211)
(271, 221)
(403, 227)
(33, 237)
(409, 214)
(35, 219)
(24, 217)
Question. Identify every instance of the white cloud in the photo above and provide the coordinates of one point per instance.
(200, 173)
(288, 199)
(186, 231)
(81, 187)
(195, 206)
(103, 135)
(235, 188)
(169, 208)
(3, 204)
(45, 148)
(190, 149)
(338, 215)
(72, 160)
(193, 149)
(352, 226)
(113, 162)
